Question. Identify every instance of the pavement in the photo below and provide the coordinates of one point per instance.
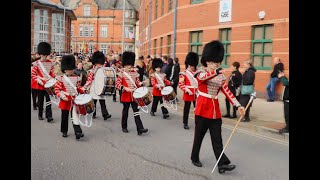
(106, 153)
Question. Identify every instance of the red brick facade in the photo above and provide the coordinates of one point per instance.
(204, 16)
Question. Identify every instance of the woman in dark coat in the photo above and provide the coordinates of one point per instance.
(141, 68)
(172, 74)
(247, 79)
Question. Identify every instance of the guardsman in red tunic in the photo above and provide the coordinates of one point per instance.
(116, 64)
(128, 81)
(189, 85)
(42, 72)
(98, 60)
(34, 89)
(64, 90)
(158, 81)
(207, 113)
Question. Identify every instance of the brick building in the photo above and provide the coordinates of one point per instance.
(99, 24)
(250, 29)
(47, 25)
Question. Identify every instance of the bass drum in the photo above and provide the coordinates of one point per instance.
(105, 81)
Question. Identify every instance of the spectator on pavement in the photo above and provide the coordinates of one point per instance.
(271, 87)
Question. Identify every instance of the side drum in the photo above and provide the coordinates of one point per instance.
(84, 104)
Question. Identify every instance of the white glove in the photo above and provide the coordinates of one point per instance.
(39, 81)
(63, 96)
(189, 91)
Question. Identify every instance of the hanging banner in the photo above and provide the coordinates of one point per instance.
(225, 10)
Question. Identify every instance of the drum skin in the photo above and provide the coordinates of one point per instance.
(142, 96)
(84, 104)
(168, 93)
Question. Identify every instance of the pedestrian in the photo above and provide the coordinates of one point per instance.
(65, 91)
(234, 84)
(141, 67)
(117, 65)
(79, 71)
(172, 74)
(43, 72)
(165, 64)
(247, 87)
(34, 88)
(207, 113)
(128, 81)
(271, 87)
(189, 85)
(285, 99)
(149, 68)
(98, 60)
(158, 81)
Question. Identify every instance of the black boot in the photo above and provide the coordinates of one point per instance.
(64, 134)
(246, 116)
(197, 163)
(186, 126)
(140, 131)
(49, 119)
(125, 130)
(78, 135)
(40, 118)
(226, 115)
(35, 108)
(165, 116)
(234, 115)
(226, 167)
(152, 113)
(105, 117)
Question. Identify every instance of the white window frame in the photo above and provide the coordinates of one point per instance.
(86, 10)
(41, 27)
(104, 48)
(81, 31)
(104, 31)
(86, 30)
(72, 30)
(129, 47)
(57, 35)
(128, 28)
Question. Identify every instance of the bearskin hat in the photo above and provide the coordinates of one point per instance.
(192, 59)
(98, 58)
(213, 52)
(128, 58)
(68, 62)
(157, 62)
(44, 48)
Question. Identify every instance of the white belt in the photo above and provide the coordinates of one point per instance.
(207, 95)
(190, 87)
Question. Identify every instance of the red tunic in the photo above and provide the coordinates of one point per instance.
(155, 81)
(210, 84)
(37, 72)
(186, 81)
(63, 85)
(34, 83)
(123, 81)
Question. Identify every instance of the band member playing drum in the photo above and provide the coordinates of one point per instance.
(207, 112)
(65, 91)
(158, 81)
(189, 85)
(34, 86)
(98, 60)
(127, 82)
(43, 72)
(116, 64)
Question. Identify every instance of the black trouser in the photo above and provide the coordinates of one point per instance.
(115, 94)
(228, 107)
(186, 110)
(247, 114)
(103, 107)
(41, 95)
(286, 113)
(34, 93)
(156, 99)
(214, 126)
(64, 122)
(175, 86)
(125, 111)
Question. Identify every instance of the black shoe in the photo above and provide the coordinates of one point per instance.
(165, 116)
(185, 126)
(152, 113)
(226, 167)
(94, 117)
(284, 130)
(35, 108)
(78, 135)
(197, 163)
(245, 120)
(125, 130)
(232, 117)
(270, 100)
(107, 116)
(64, 134)
(227, 115)
(140, 131)
(49, 119)
(40, 118)
(81, 135)
(114, 100)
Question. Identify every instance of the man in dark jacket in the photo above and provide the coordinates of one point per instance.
(271, 87)
(285, 98)
(165, 64)
(234, 84)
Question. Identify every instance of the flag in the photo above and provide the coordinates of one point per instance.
(131, 35)
(87, 50)
(82, 47)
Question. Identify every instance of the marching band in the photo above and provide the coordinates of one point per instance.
(200, 87)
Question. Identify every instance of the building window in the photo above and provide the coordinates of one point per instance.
(41, 26)
(262, 46)
(196, 42)
(72, 30)
(86, 30)
(156, 10)
(154, 47)
(86, 10)
(128, 47)
(162, 8)
(57, 38)
(129, 32)
(225, 40)
(161, 44)
(196, 1)
(169, 46)
(104, 31)
(170, 5)
(129, 14)
(103, 48)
